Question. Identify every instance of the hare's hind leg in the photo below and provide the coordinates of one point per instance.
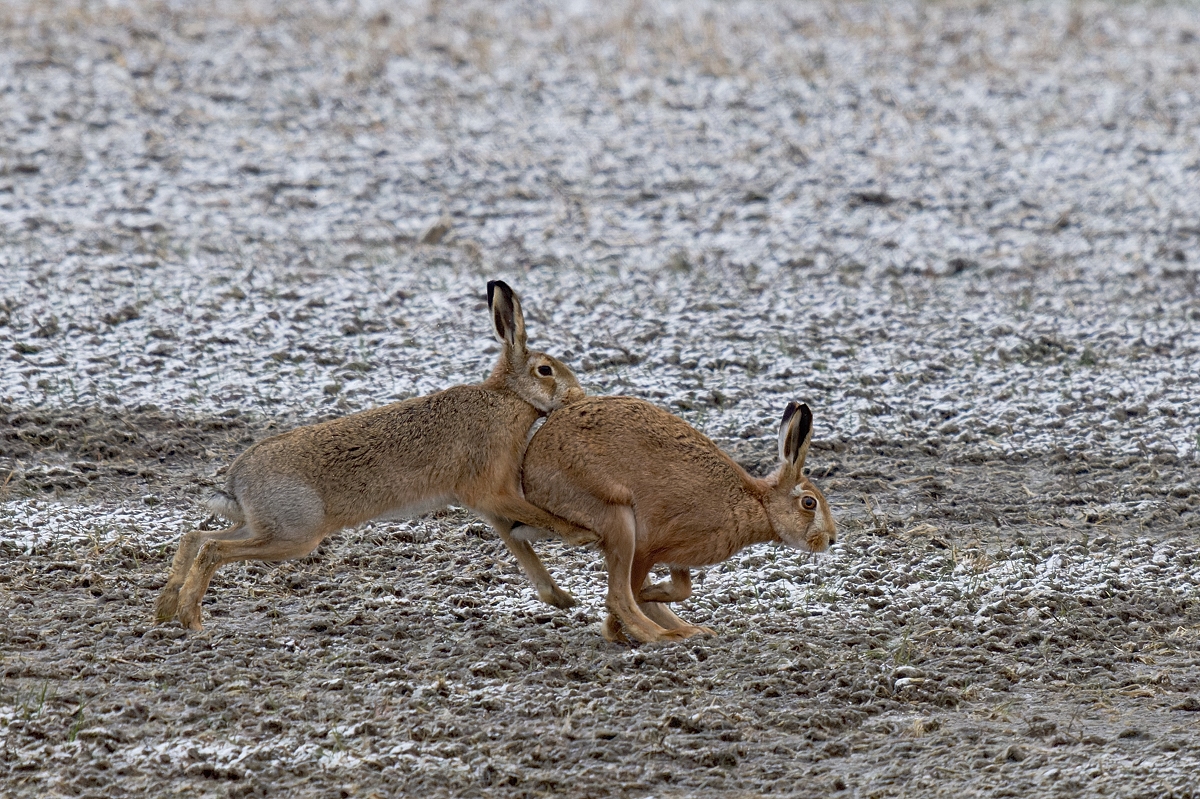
(189, 545)
(289, 524)
(547, 590)
(215, 554)
(611, 630)
(662, 615)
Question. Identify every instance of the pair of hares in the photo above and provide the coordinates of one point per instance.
(616, 471)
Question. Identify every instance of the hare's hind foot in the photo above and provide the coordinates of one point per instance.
(656, 592)
(189, 617)
(614, 631)
(611, 630)
(685, 632)
(167, 604)
(579, 536)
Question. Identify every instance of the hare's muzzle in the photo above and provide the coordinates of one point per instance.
(821, 536)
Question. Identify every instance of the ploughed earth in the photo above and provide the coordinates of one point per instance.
(965, 234)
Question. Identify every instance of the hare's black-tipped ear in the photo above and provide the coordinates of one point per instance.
(784, 427)
(795, 434)
(507, 320)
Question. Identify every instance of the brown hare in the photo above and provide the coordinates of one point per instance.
(655, 490)
(462, 445)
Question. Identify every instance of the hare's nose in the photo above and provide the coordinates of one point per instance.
(575, 393)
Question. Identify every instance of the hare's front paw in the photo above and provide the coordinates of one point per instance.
(557, 597)
(658, 592)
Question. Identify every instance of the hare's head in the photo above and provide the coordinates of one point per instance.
(797, 508)
(542, 380)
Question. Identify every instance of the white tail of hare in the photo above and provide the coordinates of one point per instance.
(461, 445)
(655, 490)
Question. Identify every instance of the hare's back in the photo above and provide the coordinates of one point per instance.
(443, 432)
(627, 439)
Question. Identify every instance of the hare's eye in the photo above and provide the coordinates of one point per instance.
(545, 371)
(808, 503)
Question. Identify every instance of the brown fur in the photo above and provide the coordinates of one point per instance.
(656, 490)
(462, 445)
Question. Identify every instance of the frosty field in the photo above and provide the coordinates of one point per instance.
(967, 235)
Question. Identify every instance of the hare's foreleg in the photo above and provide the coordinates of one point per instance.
(618, 533)
(512, 506)
(659, 613)
(663, 615)
(506, 507)
(677, 589)
(189, 545)
(547, 590)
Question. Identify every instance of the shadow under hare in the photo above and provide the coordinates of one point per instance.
(655, 490)
(463, 445)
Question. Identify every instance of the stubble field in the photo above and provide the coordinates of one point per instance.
(966, 234)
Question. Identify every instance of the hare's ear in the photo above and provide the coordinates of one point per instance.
(507, 319)
(795, 435)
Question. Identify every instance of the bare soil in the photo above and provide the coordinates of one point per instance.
(966, 635)
(964, 233)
